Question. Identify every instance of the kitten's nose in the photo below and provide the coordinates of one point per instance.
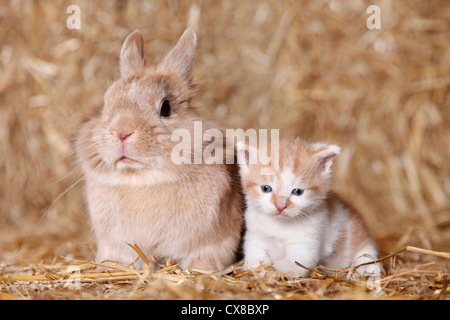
(280, 203)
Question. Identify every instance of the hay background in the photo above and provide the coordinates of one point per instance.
(309, 68)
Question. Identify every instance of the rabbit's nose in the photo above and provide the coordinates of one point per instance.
(123, 136)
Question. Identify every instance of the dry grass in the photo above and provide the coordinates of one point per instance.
(83, 280)
(309, 68)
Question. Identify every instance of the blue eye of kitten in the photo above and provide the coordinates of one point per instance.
(297, 192)
(266, 189)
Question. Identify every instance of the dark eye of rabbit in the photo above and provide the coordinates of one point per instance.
(165, 109)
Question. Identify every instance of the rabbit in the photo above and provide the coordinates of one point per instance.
(136, 194)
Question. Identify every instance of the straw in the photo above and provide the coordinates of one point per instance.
(309, 68)
(425, 281)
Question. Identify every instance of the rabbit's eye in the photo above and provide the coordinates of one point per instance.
(165, 109)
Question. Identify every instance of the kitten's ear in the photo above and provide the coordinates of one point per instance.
(132, 54)
(325, 155)
(246, 155)
(179, 59)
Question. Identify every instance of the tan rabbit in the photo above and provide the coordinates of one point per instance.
(191, 213)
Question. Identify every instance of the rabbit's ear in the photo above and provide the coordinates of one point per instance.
(179, 59)
(132, 54)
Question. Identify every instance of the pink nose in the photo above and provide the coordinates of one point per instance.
(280, 208)
(123, 136)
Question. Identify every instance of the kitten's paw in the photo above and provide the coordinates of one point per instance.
(290, 270)
(369, 270)
(372, 272)
(256, 266)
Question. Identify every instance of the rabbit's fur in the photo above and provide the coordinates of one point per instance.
(191, 213)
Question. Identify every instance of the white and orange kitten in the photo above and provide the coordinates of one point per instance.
(292, 215)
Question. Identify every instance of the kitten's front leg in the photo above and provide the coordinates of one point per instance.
(254, 251)
(306, 255)
(287, 266)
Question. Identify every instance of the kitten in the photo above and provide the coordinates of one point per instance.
(292, 215)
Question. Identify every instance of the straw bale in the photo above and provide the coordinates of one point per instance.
(309, 68)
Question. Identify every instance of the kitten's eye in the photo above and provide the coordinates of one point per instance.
(165, 109)
(266, 189)
(297, 192)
